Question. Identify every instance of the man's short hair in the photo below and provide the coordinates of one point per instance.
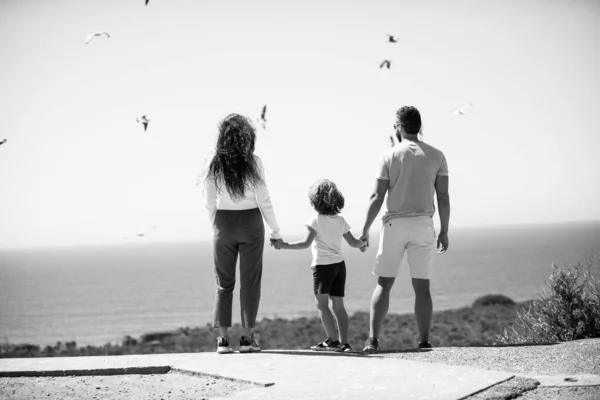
(410, 119)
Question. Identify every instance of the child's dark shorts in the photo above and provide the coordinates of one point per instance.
(329, 279)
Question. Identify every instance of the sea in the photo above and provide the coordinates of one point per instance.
(96, 295)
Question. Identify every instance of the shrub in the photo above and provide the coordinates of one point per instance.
(493, 300)
(569, 311)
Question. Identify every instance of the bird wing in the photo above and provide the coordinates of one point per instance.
(147, 2)
(264, 112)
(90, 37)
(382, 64)
(464, 108)
(145, 126)
(107, 35)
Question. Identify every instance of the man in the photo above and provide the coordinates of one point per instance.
(410, 173)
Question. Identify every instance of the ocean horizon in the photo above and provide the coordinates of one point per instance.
(99, 294)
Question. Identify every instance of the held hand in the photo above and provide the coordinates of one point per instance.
(362, 245)
(364, 238)
(276, 243)
(442, 243)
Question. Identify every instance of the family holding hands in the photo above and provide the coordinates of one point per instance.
(237, 200)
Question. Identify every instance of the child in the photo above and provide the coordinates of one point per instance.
(324, 236)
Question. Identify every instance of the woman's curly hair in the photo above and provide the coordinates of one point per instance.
(325, 197)
(233, 162)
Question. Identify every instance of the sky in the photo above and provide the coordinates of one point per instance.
(77, 169)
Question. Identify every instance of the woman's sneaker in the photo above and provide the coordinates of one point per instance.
(248, 345)
(371, 345)
(345, 348)
(223, 345)
(327, 345)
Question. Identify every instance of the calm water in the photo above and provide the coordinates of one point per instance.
(99, 294)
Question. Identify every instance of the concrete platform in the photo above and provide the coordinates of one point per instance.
(285, 374)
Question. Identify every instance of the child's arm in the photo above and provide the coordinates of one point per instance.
(352, 241)
(299, 245)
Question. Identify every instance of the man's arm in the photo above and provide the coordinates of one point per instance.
(375, 203)
(443, 200)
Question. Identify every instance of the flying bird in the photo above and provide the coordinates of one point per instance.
(93, 35)
(463, 109)
(263, 117)
(143, 233)
(143, 120)
(2, 141)
(392, 39)
(385, 63)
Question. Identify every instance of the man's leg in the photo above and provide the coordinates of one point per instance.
(322, 302)
(380, 302)
(423, 307)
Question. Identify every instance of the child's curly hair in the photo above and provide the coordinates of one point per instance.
(325, 197)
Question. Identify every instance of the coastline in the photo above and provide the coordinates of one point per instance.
(477, 325)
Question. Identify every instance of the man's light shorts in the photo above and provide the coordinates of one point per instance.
(414, 235)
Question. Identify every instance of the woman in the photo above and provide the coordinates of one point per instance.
(237, 199)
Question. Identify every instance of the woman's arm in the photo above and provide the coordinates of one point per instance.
(299, 245)
(352, 241)
(210, 199)
(263, 199)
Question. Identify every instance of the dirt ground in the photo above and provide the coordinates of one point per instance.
(159, 387)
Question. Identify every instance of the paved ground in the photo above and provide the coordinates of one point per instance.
(275, 375)
(284, 375)
(169, 386)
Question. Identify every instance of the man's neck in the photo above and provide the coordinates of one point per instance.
(411, 138)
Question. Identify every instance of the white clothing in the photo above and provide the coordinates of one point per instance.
(254, 197)
(414, 236)
(327, 247)
(412, 168)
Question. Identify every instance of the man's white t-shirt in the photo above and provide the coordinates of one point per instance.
(411, 167)
(327, 247)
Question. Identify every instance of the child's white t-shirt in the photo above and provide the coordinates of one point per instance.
(327, 246)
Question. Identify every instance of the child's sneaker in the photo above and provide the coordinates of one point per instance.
(371, 345)
(248, 345)
(327, 345)
(223, 345)
(345, 348)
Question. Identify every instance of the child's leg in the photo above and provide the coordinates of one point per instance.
(341, 317)
(337, 298)
(322, 302)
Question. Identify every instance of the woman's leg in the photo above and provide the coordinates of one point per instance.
(225, 258)
(251, 261)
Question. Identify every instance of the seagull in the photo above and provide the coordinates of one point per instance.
(463, 109)
(93, 35)
(142, 233)
(385, 63)
(144, 120)
(263, 117)
(391, 38)
(2, 141)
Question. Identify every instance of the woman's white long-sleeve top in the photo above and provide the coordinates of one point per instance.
(254, 197)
